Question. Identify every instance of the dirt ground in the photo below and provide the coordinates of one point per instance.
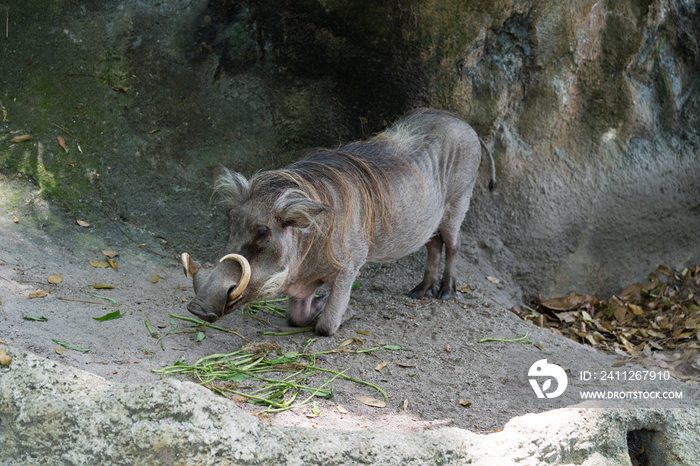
(444, 363)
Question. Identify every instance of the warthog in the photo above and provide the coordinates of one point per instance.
(320, 219)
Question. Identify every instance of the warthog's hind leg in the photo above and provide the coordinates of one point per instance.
(452, 238)
(449, 276)
(432, 266)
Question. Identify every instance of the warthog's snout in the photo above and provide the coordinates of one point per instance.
(197, 308)
(217, 293)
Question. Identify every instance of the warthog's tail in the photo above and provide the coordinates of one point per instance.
(492, 182)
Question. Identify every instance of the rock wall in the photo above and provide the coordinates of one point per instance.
(590, 108)
(593, 115)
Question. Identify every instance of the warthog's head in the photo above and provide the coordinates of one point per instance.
(267, 218)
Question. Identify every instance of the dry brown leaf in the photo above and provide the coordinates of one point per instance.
(567, 317)
(692, 322)
(447, 348)
(15, 219)
(633, 290)
(155, 278)
(566, 303)
(403, 364)
(345, 342)
(111, 263)
(464, 403)
(61, 141)
(23, 138)
(625, 343)
(342, 409)
(120, 89)
(604, 327)
(685, 334)
(5, 360)
(539, 321)
(37, 294)
(371, 401)
(493, 280)
(99, 264)
(664, 270)
(59, 349)
(620, 313)
(636, 310)
(651, 286)
(82, 223)
(110, 254)
(100, 286)
(55, 279)
(405, 404)
(362, 332)
(380, 366)
(182, 288)
(619, 363)
(465, 289)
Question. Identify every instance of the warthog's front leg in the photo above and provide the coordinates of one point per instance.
(333, 314)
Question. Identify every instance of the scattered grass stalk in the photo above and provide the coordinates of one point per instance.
(200, 322)
(277, 394)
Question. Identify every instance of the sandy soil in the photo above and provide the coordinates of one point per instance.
(449, 363)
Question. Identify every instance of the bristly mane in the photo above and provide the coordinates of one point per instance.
(360, 180)
(357, 176)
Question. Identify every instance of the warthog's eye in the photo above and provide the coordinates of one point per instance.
(263, 232)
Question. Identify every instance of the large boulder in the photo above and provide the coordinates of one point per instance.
(54, 414)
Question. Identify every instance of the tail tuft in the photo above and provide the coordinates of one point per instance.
(492, 184)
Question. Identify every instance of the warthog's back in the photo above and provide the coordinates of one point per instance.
(444, 153)
(390, 194)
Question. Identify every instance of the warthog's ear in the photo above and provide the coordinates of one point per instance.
(294, 209)
(231, 186)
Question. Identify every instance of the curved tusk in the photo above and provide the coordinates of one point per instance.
(235, 295)
(188, 265)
